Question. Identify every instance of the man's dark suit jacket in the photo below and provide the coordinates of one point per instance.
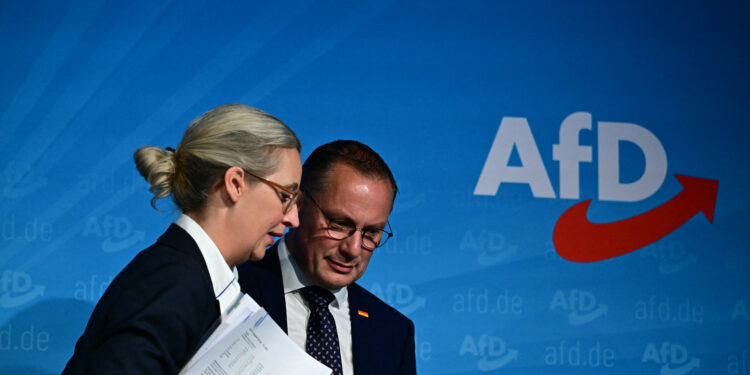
(153, 316)
(382, 344)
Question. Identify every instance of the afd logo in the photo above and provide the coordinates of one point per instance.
(674, 358)
(20, 180)
(17, 289)
(117, 232)
(580, 304)
(400, 296)
(411, 197)
(492, 247)
(672, 256)
(576, 238)
(492, 352)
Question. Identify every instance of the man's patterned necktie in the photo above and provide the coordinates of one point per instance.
(322, 340)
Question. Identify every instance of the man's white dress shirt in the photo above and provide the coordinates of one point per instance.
(297, 312)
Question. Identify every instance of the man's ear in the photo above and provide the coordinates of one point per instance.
(234, 183)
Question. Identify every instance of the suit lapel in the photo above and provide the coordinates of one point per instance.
(364, 338)
(180, 240)
(262, 281)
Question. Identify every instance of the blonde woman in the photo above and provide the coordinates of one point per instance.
(235, 177)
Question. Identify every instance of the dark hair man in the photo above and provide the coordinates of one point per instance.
(348, 193)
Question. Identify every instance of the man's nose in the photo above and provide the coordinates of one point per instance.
(352, 245)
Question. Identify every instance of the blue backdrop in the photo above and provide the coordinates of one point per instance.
(496, 117)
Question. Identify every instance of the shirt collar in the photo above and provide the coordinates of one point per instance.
(221, 275)
(293, 278)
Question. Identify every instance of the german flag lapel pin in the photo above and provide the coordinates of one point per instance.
(363, 313)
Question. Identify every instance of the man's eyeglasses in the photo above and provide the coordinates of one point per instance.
(286, 195)
(337, 229)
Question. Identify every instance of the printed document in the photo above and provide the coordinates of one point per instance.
(248, 341)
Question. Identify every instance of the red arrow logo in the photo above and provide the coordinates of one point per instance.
(579, 240)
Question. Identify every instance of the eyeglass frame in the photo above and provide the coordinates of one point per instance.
(388, 232)
(293, 195)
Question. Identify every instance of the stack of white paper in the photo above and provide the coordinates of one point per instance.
(248, 341)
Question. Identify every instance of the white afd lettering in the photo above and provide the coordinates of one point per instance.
(515, 132)
(569, 153)
(610, 188)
